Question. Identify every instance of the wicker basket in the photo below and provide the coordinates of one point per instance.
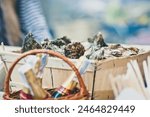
(77, 94)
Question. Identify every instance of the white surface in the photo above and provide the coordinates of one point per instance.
(9, 108)
(130, 94)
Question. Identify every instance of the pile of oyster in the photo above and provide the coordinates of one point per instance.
(97, 48)
(64, 46)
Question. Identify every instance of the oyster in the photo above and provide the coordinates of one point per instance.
(98, 40)
(74, 50)
(136, 50)
(47, 44)
(114, 46)
(116, 53)
(100, 50)
(61, 41)
(30, 43)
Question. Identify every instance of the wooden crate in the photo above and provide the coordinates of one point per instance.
(57, 71)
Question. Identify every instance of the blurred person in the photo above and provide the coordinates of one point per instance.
(19, 17)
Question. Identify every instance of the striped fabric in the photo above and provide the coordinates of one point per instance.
(32, 19)
(2, 29)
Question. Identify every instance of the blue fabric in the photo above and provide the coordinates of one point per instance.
(2, 29)
(32, 19)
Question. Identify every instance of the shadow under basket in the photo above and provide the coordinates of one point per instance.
(76, 94)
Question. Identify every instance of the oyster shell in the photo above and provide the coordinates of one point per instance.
(47, 44)
(116, 53)
(74, 50)
(98, 40)
(30, 43)
(61, 41)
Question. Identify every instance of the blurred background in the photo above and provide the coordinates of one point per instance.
(120, 21)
